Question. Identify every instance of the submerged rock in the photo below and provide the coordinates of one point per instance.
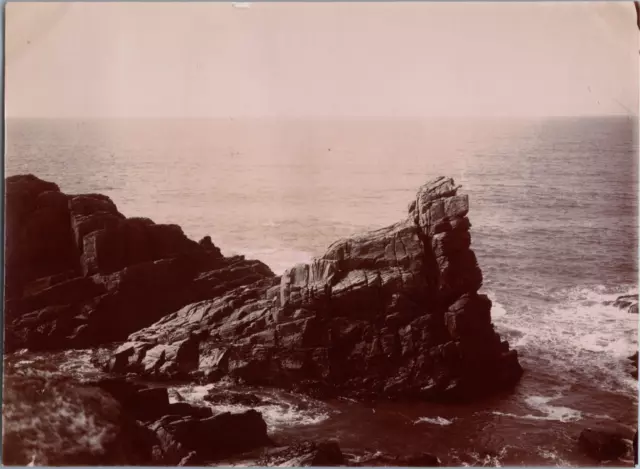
(626, 302)
(603, 445)
(633, 359)
(393, 312)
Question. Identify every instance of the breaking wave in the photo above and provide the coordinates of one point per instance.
(434, 421)
(279, 409)
(545, 410)
(578, 333)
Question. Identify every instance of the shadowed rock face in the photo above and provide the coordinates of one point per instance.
(79, 273)
(392, 312)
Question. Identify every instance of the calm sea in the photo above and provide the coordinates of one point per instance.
(554, 215)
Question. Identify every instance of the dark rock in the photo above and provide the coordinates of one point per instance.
(326, 454)
(418, 460)
(627, 302)
(602, 445)
(210, 438)
(39, 240)
(142, 402)
(634, 365)
(304, 454)
(152, 402)
(392, 312)
(209, 246)
(105, 275)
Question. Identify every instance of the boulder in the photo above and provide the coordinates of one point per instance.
(140, 401)
(603, 445)
(210, 438)
(146, 403)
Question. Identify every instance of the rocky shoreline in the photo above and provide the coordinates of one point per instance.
(389, 314)
(393, 312)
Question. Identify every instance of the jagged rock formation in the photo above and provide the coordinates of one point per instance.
(79, 273)
(391, 312)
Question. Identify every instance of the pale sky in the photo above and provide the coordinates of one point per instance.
(320, 59)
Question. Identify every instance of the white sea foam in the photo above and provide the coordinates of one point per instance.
(489, 460)
(282, 414)
(580, 333)
(497, 309)
(193, 394)
(434, 420)
(559, 413)
(545, 410)
(553, 456)
(277, 412)
(59, 419)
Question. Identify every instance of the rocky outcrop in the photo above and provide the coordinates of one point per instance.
(633, 365)
(79, 273)
(627, 302)
(392, 312)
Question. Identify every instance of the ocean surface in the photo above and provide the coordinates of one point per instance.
(554, 226)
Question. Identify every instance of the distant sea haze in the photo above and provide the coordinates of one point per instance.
(554, 226)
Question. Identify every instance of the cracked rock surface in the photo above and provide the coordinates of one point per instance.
(392, 312)
(80, 274)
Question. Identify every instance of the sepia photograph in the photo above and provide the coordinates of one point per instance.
(289, 234)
